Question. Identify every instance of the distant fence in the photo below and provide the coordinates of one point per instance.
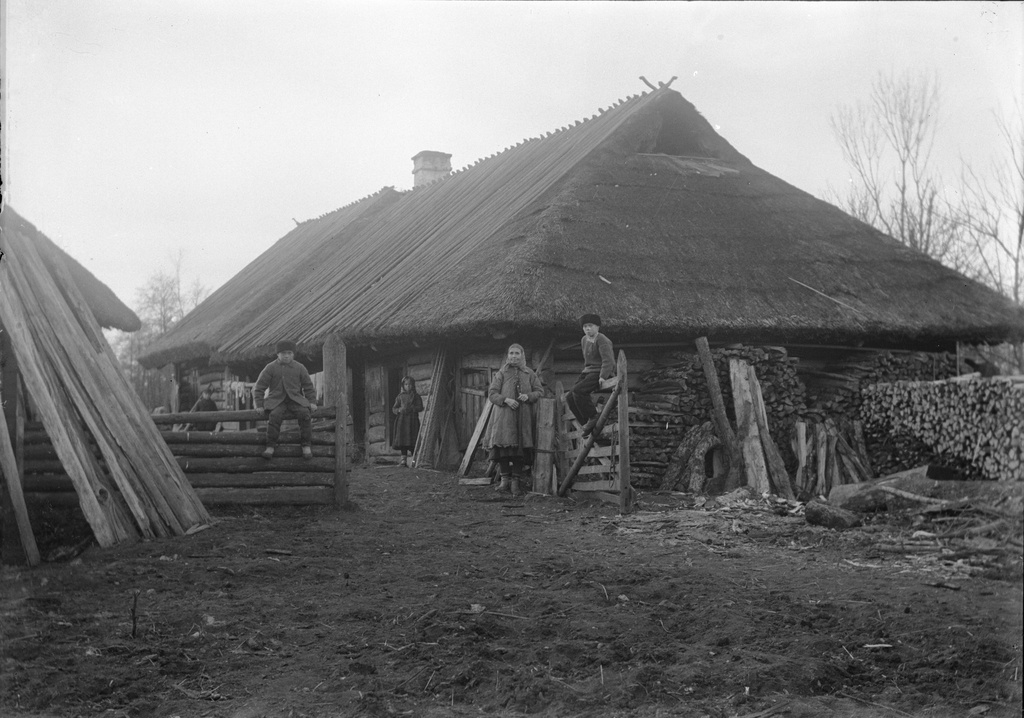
(223, 467)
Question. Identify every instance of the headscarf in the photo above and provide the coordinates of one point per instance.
(522, 353)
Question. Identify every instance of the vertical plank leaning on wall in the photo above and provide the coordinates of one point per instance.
(426, 443)
(336, 395)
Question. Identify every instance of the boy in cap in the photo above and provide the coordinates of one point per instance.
(598, 366)
(205, 403)
(292, 395)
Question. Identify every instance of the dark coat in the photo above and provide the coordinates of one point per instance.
(507, 426)
(407, 410)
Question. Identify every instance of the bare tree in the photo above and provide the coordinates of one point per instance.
(989, 217)
(887, 142)
(160, 303)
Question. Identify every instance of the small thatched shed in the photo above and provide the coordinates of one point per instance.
(641, 213)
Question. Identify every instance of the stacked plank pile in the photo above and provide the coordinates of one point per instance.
(71, 375)
(669, 400)
(975, 425)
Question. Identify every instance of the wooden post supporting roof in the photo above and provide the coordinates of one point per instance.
(12, 476)
(336, 395)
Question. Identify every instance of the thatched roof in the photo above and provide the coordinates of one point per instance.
(643, 214)
(110, 312)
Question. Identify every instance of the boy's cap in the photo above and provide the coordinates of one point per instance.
(285, 346)
(590, 319)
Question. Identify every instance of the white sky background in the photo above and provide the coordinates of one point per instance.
(135, 129)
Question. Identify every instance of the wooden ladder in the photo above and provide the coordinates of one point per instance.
(608, 467)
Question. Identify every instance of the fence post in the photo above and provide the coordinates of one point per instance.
(336, 395)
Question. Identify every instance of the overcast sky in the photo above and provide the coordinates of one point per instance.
(135, 129)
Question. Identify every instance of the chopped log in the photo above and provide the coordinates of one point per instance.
(746, 425)
(800, 450)
(681, 456)
(734, 454)
(694, 475)
(824, 514)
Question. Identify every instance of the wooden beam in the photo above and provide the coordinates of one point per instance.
(732, 448)
(327, 412)
(12, 476)
(478, 431)
(779, 475)
(336, 395)
(545, 449)
(750, 440)
(14, 409)
(622, 384)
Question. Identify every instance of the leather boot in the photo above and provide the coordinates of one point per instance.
(514, 486)
(503, 486)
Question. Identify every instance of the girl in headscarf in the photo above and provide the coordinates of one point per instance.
(407, 408)
(509, 437)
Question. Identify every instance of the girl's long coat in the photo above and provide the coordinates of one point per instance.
(507, 426)
(407, 422)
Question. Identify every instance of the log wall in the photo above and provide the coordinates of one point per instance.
(222, 467)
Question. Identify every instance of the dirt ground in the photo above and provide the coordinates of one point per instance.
(433, 599)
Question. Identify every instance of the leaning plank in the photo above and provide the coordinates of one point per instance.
(9, 464)
(425, 453)
(779, 475)
(750, 441)
(120, 408)
(106, 518)
(481, 424)
(734, 453)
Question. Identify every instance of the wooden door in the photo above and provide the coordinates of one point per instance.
(471, 398)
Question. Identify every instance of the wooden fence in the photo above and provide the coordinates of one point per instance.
(223, 467)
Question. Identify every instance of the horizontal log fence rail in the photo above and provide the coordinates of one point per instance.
(224, 467)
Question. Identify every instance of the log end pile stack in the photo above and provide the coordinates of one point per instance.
(672, 398)
(973, 425)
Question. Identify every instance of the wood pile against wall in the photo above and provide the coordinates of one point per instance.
(973, 425)
(670, 399)
(74, 380)
(834, 388)
(828, 455)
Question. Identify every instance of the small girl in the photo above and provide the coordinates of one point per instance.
(407, 408)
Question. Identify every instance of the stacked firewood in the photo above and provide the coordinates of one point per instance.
(837, 392)
(672, 398)
(974, 425)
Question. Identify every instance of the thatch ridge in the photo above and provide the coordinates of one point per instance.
(110, 312)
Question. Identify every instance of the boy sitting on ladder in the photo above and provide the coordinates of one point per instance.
(598, 370)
